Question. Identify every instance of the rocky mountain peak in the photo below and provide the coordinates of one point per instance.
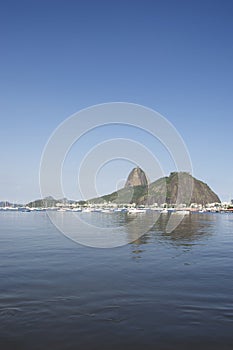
(137, 177)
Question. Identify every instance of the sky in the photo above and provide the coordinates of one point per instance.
(59, 57)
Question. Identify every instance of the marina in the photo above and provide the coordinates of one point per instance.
(126, 208)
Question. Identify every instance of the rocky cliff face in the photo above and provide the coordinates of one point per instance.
(137, 177)
(166, 189)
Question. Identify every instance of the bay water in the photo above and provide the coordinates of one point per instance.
(162, 291)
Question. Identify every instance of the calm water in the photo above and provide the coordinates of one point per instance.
(165, 291)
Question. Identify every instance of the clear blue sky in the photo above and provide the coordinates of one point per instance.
(60, 56)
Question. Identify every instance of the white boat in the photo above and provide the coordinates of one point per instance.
(87, 210)
(136, 210)
(164, 211)
(182, 212)
(62, 209)
(24, 209)
(106, 210)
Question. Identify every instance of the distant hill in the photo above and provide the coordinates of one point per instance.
(49, 202)
(41, 203)
(164, 190)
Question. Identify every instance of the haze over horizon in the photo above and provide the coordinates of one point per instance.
(59, 57)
